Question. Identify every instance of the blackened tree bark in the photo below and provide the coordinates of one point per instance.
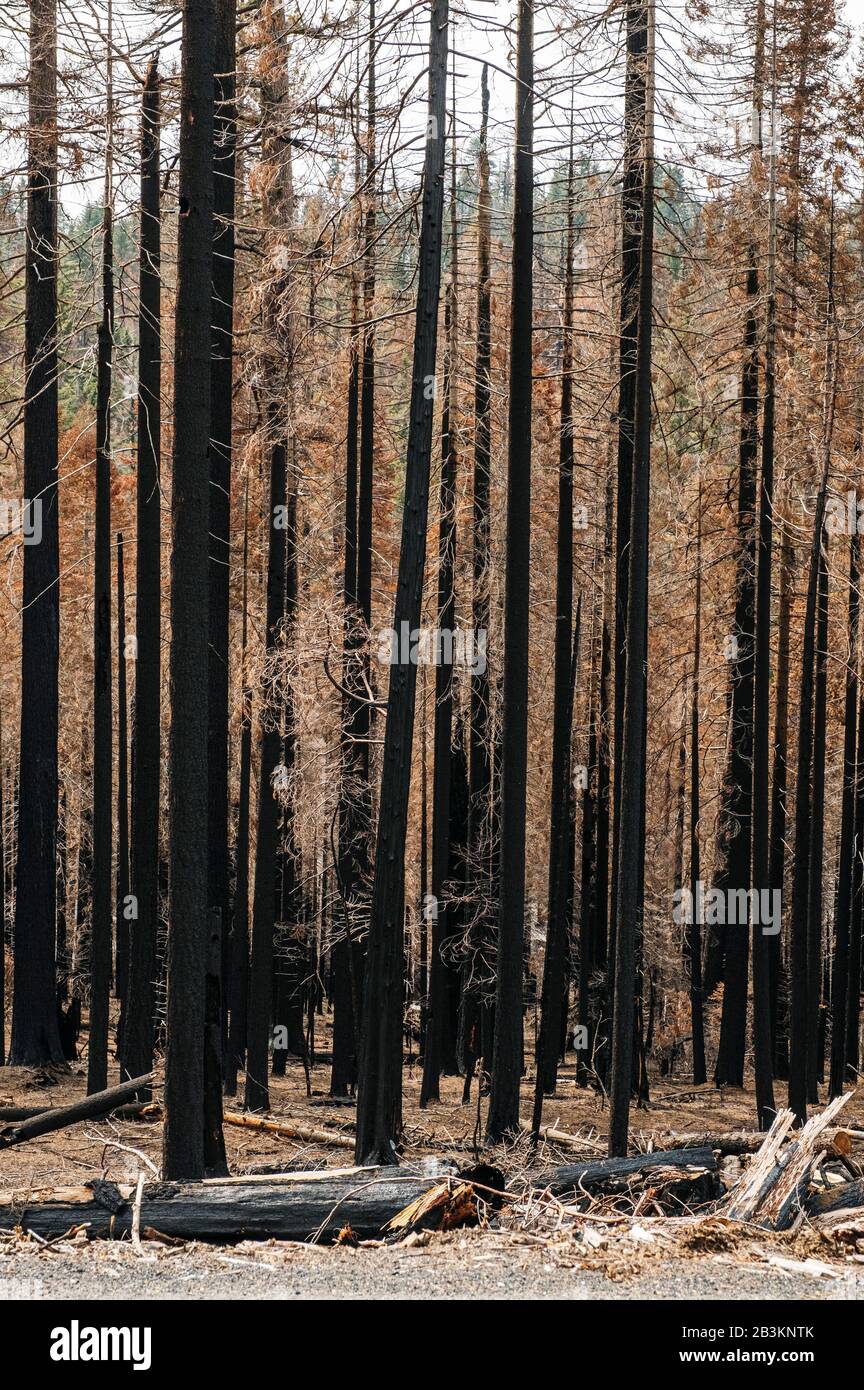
(188, 935)
(424, 875)
(380, 1073)
(278, 328)
(355, 812)
(479, 754)
(289, 961)
(433, 1059)
(632, 201)
(503, 1116)
(239, 996)
(35, 1037)
(761, 792)
(221, 385)
(257, 1095)
(140, 1002)
(101, 931)
(735, 817)
(121, 909)
(343, 1075)
(630, 858)
(843, 915)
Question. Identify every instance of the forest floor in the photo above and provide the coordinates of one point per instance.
(652, 1260)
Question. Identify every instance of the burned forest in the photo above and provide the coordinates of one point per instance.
(431, 650)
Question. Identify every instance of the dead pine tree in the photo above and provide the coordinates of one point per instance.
(735, 815)
(239, 988)
(475, 1005)
(102, 912)
(437, 1020)
(121, 899)
(139, 1003)
(343, 1075)
(35, 1037)
(503, 1115)
(380, 1073)
(633, 751)
(805, 980)
(278, 212)
(761, 848)
(221, 370)
(184, 1143)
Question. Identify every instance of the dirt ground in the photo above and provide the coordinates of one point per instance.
(480, 1264)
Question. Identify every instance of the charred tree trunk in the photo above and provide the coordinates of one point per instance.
(735, 819)
(139, 1006)
(239, 996)
(35, 1037)
(434, 1058)
(503, 1116)
(101, 932)
(121, 910)
(479, 756)
(632, 202)
(257, 1095)
(632, 819)
(380, 1074)
(221, 387)
(763, 1033)
(189, 931)
(344, 1071)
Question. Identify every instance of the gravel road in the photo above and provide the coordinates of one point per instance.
(394, 1274)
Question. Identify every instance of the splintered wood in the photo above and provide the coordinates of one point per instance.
(772, 1190)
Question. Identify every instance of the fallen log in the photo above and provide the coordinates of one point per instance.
(287, 1129)
(844, 1226)
(601, 1173)
(46, 1121)
(301, 1206)
(22, 1112)
(739, 1142)
(841, 1196)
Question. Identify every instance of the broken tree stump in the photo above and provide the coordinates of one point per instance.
(100, 1103)
(300, 1206)
(773, 1189)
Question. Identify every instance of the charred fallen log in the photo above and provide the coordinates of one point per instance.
(302, 1206)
